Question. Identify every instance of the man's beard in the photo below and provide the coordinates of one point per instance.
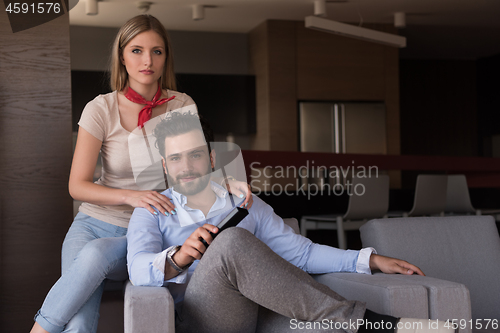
(193, 187)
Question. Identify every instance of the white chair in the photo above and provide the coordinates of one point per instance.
(373, 203)
(430, 195)
(457, 196)
(458, 199)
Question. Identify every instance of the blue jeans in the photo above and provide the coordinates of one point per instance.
(92, 251)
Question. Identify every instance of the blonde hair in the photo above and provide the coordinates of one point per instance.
(133, 27)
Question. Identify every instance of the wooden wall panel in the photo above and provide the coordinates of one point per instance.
(282, 85)
(333, 67)
(259, 66)
(391, 98)
(272, 61)
(35, 155)
(392, 107)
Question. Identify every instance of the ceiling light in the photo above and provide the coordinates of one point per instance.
(352, 31)
(198, 12)
(91, 7)
(400, 20)
(143, 6)
(320, 7)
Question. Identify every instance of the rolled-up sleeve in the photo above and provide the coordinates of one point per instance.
(159, 263)
(363, 265)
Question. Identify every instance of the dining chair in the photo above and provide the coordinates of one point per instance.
(457, 196)
(430, 195)
(372, 203)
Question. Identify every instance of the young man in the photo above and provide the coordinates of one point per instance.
(259, 268)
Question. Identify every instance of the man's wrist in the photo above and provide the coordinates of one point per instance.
(176, 258)
(373, 258)
(178, 266)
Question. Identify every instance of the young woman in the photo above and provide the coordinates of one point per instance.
(143, 81)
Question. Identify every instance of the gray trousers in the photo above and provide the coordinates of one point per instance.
(240, 285)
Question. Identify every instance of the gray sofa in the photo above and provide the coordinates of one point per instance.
(151, 309)
(462, 249)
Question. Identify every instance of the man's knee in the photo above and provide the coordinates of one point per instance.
(232, 238)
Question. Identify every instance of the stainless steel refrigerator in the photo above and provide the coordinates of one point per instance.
(355, 128)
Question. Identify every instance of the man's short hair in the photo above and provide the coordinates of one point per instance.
(177, 123)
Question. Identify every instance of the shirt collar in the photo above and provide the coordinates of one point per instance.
(187, 216)
(219, 191)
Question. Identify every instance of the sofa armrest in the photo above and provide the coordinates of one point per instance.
(381, 293)
(403, 296)
(148, 309)
(447, 299)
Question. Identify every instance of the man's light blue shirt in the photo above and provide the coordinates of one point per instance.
(150, 236)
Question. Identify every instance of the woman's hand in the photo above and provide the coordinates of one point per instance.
(392, 265)
(241, 190)
(82, 187)
(147, 199)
